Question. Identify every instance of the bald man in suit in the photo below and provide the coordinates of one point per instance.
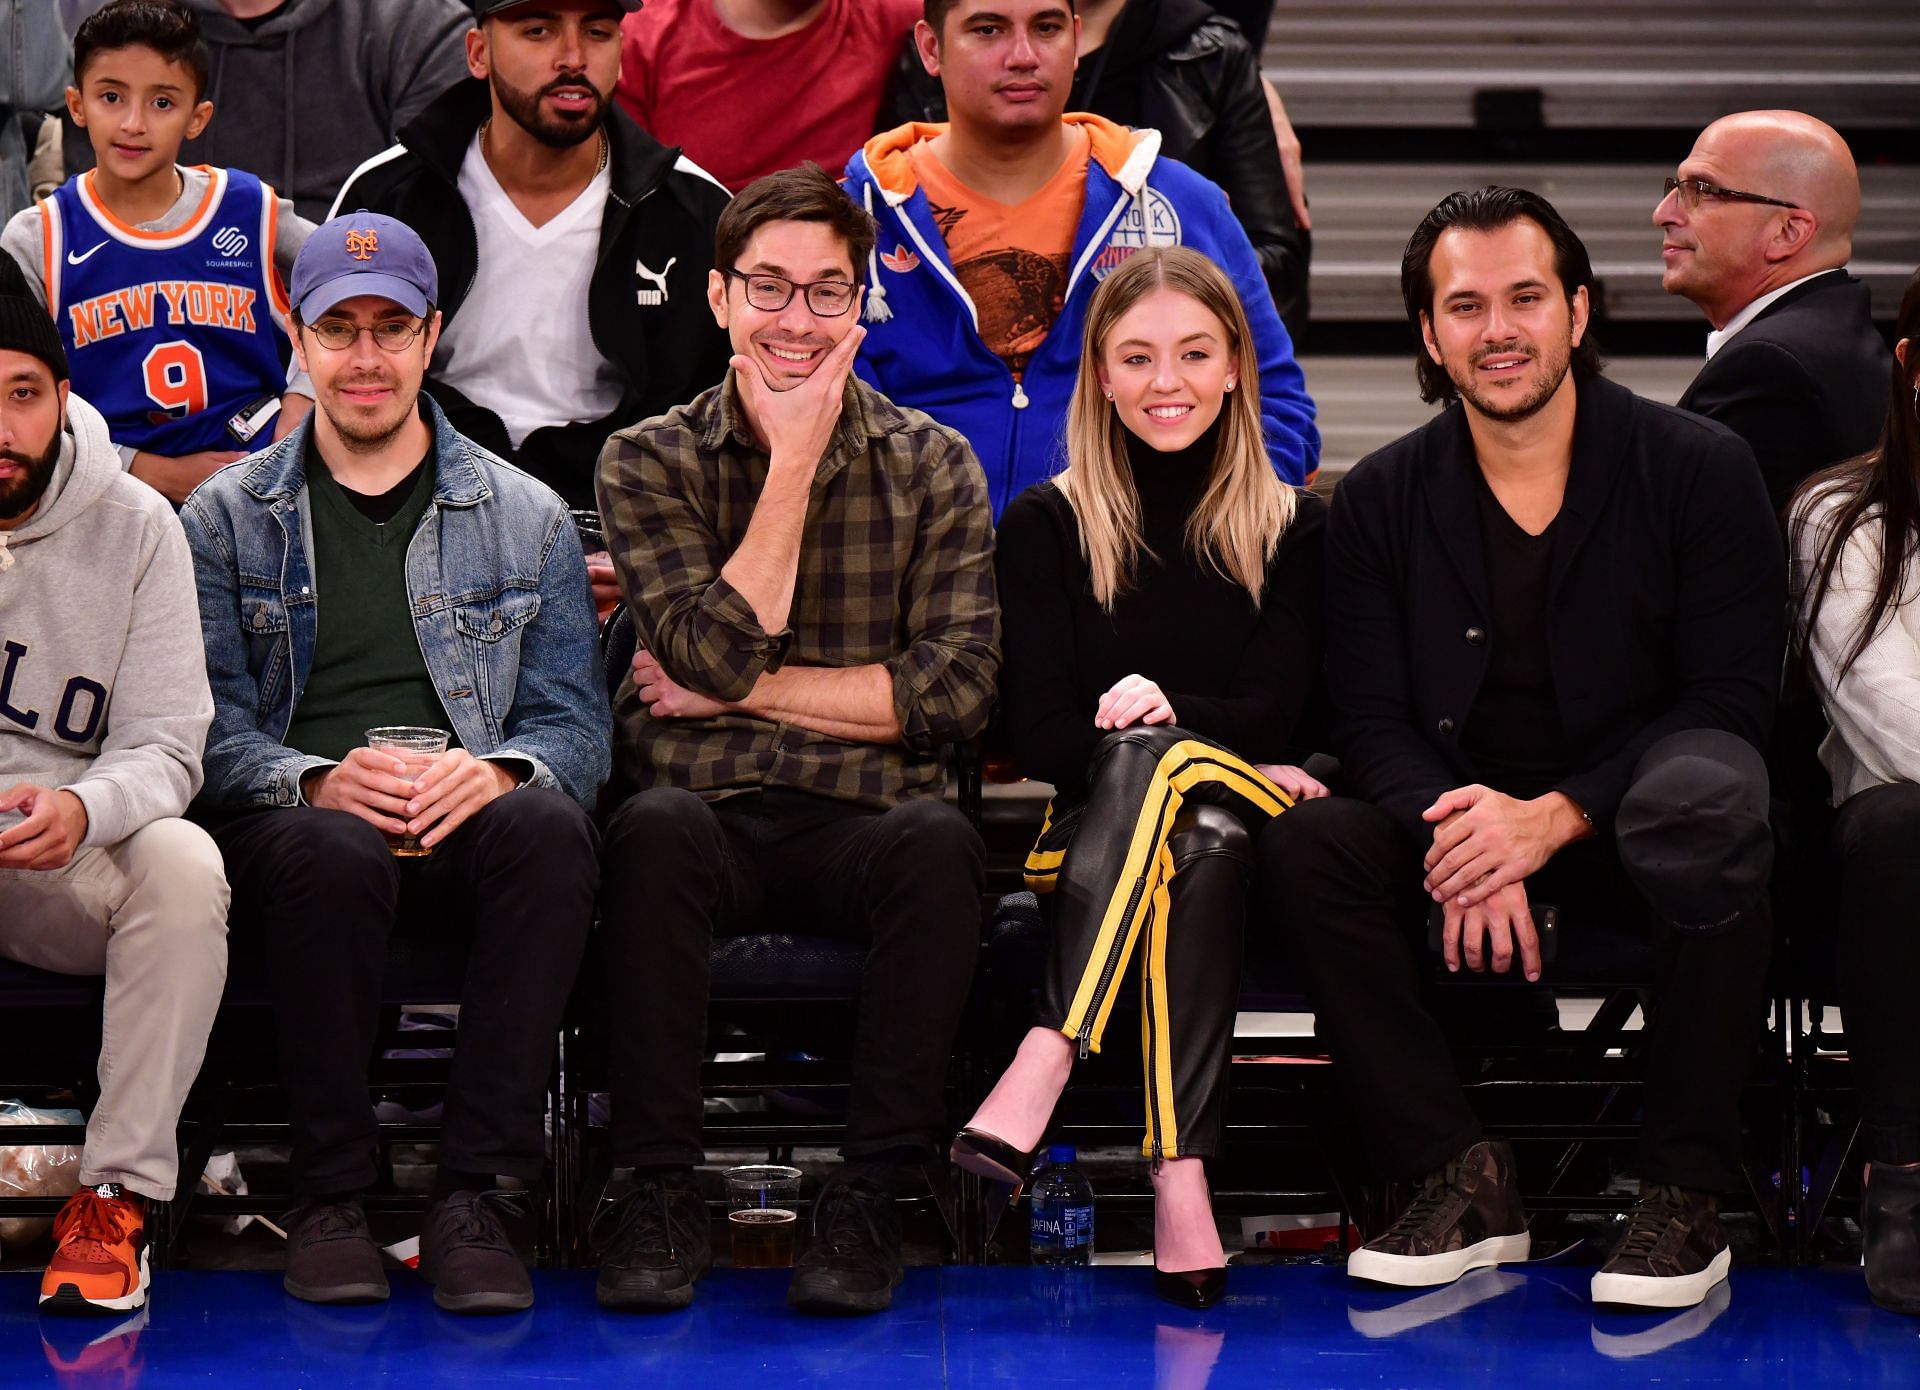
(1756, 229)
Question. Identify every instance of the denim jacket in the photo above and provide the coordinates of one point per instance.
(501, 608)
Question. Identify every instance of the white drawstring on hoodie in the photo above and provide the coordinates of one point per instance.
(877, 310)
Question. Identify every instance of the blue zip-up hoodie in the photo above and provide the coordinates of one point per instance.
(923, 348)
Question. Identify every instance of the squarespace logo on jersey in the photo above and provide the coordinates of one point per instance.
(232, 244)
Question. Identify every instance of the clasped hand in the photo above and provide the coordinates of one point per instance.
(1486, 934)
(1486, 845)
(372, 785)
(1484, 841)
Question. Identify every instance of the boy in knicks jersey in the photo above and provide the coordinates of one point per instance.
(165, 282)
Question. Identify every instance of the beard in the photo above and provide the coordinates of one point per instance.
(555, 132)
(21, 495)
(1554, 365)
(362, 434)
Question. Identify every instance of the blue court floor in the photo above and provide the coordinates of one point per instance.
(1289, 1326)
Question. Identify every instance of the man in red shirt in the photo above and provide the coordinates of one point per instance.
(722, 78)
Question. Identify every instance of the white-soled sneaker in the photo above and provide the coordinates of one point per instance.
(1466, 1216)
(1671, 1254)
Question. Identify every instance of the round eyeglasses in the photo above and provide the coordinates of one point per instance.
(389, 335)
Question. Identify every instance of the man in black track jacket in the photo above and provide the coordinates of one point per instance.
(572, 247)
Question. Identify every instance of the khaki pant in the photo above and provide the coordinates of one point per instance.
(149, 913)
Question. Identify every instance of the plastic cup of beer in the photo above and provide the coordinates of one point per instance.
(417, 748)
(763, 1212)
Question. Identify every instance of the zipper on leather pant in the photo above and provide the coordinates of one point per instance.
(1113, 964)
(1146, 1004)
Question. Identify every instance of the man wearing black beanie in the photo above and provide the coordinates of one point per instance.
(104, 709)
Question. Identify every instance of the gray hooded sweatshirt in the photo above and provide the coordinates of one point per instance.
(103, 678)
(322, 85)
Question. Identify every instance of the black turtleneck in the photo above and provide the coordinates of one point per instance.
(1237, 675)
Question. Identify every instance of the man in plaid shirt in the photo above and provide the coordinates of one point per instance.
(810, 572)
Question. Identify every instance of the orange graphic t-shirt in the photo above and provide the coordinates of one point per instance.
(1011, 261)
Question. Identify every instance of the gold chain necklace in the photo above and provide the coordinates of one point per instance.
(598, 169)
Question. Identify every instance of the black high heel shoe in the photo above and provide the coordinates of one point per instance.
(992, 1158)
(1197, 1289)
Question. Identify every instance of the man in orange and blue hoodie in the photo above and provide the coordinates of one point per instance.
(996, 227)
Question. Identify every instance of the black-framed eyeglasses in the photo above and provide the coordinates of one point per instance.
(389, 335)
(1693, 190)
(772, 293)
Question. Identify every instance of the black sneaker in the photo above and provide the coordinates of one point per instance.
(466, 1256)
(852, 1264)
(653, 1244)
(331, 1257)
(1465, 1216)
(1671, 1254)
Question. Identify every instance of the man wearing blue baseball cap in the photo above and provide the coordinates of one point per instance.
(377, 572)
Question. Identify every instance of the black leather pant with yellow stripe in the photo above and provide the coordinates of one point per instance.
(1157, 860)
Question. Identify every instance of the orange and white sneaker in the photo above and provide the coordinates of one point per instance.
(99, 1263)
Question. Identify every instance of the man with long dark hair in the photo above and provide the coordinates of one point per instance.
(1553, 639)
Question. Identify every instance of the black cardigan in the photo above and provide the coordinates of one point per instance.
(1238, 676)
(1666, 609)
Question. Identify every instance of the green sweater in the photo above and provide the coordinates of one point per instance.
(367, 667)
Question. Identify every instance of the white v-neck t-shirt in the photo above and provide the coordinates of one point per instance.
(520, 344)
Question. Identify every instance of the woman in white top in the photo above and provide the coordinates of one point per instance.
(1856, 565)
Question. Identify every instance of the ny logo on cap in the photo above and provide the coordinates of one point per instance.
(363, 245)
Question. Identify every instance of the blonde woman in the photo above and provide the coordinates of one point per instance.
(1161, 609)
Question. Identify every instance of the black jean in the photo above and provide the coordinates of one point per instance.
(1157, 857)
(323, 894)
(1876, 835)
(680, 871)
(1347, 900)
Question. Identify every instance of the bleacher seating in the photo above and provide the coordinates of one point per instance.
(1598, 66)
(1399, 104)
(1363, 214)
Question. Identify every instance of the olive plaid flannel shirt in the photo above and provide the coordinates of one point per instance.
(896, 569)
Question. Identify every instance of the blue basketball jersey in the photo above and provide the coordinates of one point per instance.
(169, 334)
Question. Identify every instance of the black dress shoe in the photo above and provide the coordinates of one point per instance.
(994, 1159)
(1890, 1230)
(1191, 1288)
